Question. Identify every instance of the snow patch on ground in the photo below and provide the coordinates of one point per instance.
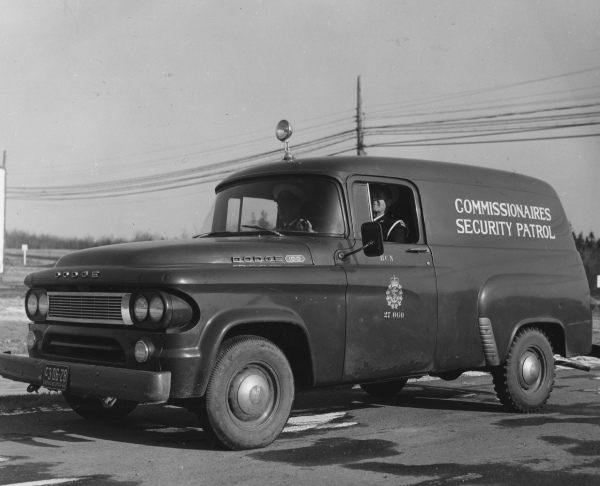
(322, 421)
(296, 424)
(36, 410)
(593, 363)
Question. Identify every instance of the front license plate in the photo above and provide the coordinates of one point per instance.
(55, 377)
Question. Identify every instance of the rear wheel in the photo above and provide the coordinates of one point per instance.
(93, 408)
(525, 382)
(384, 388)
(249, 395)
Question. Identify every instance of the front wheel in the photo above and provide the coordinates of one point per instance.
(93, 408)
(525, 382)
(250, 393)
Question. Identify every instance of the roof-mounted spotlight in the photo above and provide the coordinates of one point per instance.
(283, 132)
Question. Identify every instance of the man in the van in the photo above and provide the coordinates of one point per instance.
(381, 202)
(289, 201)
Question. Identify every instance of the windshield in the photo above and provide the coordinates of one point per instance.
(299, 205)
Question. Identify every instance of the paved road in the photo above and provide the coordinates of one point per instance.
(433, 432)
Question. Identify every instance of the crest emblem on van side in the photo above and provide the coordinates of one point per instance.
(393, 294)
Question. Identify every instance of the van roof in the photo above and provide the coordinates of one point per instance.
(412, 169)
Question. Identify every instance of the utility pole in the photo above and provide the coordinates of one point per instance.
(2, 211)
(360, 148)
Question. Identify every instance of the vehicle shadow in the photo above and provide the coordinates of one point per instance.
(424, 396)
(148, 424)
(175, 427)
(178, 428)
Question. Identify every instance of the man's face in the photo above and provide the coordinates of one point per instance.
(379, 202)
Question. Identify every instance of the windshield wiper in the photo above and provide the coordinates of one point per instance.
(261, 228)
(216, 233)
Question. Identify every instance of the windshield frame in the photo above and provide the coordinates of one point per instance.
(335, 196)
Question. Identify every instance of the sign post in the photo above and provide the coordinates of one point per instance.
(2, 211)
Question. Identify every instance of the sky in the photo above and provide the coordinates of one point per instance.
(98, 92)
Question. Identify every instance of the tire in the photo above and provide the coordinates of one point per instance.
(92, 408)
(384, 388)
(525, 382)
(249, 395)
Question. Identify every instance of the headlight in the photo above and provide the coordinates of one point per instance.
(43, 304)
(140, 308)
(36, 304)
(31, 340)
(32, 304)
(157, 308)
(142, 352)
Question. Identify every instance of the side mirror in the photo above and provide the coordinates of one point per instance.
(372, 239)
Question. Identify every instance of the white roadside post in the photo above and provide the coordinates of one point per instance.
(2, 212)
(24, 248)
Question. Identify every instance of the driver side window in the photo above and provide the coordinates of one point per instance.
(390, 204)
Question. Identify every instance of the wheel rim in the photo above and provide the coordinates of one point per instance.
(253, 395)
(532, 370)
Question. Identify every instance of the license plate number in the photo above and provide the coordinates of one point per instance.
(55, 377)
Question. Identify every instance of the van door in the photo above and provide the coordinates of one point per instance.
(391, 300)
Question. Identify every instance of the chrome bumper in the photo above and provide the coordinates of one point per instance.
(100, 381)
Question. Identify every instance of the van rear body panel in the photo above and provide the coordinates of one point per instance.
(506, 255)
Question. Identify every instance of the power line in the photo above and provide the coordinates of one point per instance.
(473, 92)
(484, 125)
(497, 115)
(187, 154)
(493, 125)
(301, 148)
(427, 143)
(161, 182)
(490, 105)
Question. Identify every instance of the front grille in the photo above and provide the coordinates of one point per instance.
(89, 348)
(89, 307)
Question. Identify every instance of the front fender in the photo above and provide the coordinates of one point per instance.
(219, 325)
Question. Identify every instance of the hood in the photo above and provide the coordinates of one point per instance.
(239, 250)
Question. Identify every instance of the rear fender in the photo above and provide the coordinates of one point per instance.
(554, 302)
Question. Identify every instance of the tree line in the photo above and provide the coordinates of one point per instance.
(14, 239)
(589, 249)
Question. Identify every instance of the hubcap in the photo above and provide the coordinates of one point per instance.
(531, 369)
(251, 395)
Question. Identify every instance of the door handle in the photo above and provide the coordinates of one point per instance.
(420, 249)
